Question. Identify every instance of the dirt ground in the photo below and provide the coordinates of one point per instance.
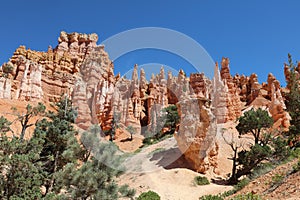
(162, 168)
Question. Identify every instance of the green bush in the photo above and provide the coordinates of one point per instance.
(148, 141)
(296, 167)
(248, 196)
(7, 69)
(228, 193)
(211, 197)
(261, 169)
(150, 195)
(277, 178)
(240, 185)
(295, 153)
(199, 180)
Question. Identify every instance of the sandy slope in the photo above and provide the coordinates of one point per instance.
(289, 189)
(5, 110)
(161, 168)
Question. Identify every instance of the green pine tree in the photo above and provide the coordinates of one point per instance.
(265, 145)
(293, 103)
(254, 122)
(21, 173)
(59, 135)
(94, 178)
(171, 117)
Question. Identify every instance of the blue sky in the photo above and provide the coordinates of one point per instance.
(255, 35)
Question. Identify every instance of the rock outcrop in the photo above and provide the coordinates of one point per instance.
(234, 104)
(287, 73)
(277, 108)
(219, 97)
(200, 84)
(47, 75)
(196, 137)
(82, 70)
(5, 88)
(77, 67)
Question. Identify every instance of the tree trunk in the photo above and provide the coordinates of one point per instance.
(22, 133)
(54, 170)
(233, 179)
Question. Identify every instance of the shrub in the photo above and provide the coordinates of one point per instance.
(248, 196)
(261, 169)
(211, 197)
(150, 195)
(296, 167)
(148, 141)
(277, 178)
(240, 185)
(199, 180)
(7, 69)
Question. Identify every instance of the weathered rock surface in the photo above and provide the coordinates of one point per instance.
(277, 108)
(196, 137)
(47, 75)
(219, 97)
(234, 104)
(5, 88)
(82, 70)
(287, 73)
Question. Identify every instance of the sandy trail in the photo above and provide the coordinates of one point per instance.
(161, 168)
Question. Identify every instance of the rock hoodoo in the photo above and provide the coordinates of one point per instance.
(81, 69)
(196, 137)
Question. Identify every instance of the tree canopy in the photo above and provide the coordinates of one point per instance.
(57, 162)
(264, 146)
(293, 102)
(254, 121)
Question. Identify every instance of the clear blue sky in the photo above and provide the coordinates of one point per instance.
(255, 35)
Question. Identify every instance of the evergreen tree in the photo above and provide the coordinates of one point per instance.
(95, 177)
(265, 146)
(21, 174)
(81, 165)
(254, 122)
(55, 159)
(114, 126)
(293, 103)
(131, 130)
(171, 117)
(24, 118)
(58, 132)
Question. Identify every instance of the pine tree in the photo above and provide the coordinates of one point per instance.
(131, 130)
(21, 173)
(24, 118)
(83, 169)
(293, 103)
(55, 159)
(254, 122)
(95, 177)
(171, 117)
(57, 131)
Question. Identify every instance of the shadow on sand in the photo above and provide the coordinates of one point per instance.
(126, 140)
(171, 159)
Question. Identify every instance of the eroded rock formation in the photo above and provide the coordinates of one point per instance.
(234, 104)
(277, 108)
(219, 97)
(196, 137)
(287, 73)
(82, 70)
(47, 75)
